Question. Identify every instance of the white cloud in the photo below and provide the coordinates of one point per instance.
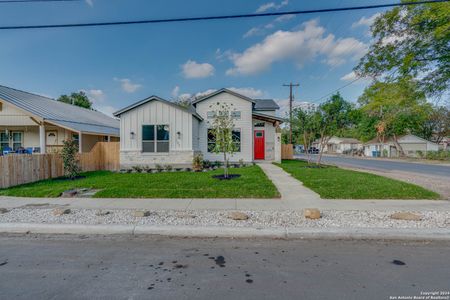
(96, 95)
(127, 85)
(192, 69)
(175, 91)
(247, 91)
(349, 76)
(90, 2)
(365, 21)
(271, 5)
(301, 46)
(259, 30)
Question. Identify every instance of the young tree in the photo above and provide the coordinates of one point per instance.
(70, 159)
(304, 127)
(436, 125)
(332, 118)
(78, 99)
(411, 42)
(222, 129)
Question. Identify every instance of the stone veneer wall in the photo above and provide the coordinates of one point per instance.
(177, 159)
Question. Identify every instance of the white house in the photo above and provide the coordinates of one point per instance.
(409, 143)
(339, 145)
(40, 124)
(156, 131)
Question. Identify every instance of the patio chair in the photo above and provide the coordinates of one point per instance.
(7, 150)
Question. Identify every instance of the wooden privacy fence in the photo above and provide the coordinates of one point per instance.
(18, 169)
(287, 151)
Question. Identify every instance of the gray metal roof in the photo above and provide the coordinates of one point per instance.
(189, 109)
(223, 91)
(70, 116)
(265, 104)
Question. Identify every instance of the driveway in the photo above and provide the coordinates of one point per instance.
(385, 165)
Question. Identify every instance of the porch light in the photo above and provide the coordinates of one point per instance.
(132, 135)
(178, 134)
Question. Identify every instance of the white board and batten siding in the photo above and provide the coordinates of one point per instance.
(156, 113)
(244, 124)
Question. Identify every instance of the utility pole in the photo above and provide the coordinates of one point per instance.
(291, 98)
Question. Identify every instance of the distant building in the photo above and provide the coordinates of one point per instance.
(307, 106)
(410, 144)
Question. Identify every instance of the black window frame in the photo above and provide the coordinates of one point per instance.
(158, 140)
(210, 140)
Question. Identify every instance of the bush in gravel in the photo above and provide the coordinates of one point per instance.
(70, 159)
(198, 163)
(159, 167)
(137, 169)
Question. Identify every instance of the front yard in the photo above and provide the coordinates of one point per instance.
(335, 183)
(253, 183)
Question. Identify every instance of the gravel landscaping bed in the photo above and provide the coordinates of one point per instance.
(330, 219)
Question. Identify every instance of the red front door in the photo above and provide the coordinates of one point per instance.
(258, 137)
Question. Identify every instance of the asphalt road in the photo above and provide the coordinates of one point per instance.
(383, 165)
(163, 268)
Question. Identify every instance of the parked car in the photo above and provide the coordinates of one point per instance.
(313, 150)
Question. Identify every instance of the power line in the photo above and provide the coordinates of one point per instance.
(31, 1)
(190, 19)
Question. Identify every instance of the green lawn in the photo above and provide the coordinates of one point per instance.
(253, 183)
(335, 183)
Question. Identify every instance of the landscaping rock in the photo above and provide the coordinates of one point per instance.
(61, 211)
(311, 213)
(141, 213)
(3, 210)
(238, 216)
(102, 213)
(406, 216)
(69, 193)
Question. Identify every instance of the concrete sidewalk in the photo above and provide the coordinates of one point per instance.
(294, 196)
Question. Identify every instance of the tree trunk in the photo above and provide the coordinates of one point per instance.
(323, 141)
(398, 146)
(306, 146)
(225, 165)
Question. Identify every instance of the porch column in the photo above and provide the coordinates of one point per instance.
(80, 141)
(42, 138)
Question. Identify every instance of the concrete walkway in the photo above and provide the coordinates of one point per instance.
(294, 196)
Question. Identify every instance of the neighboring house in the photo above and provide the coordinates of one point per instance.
(338, 145)
(156, 131)
(41, 124)
(409, 143)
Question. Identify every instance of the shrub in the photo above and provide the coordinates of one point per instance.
(137, 169)
(70, 159)
(207, 164)
(385, 153)
(241, 163)
(197, 162)
(168, 167)
(419, 154)
(159, 167)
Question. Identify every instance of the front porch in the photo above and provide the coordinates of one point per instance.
(266, 138)
(46, 138)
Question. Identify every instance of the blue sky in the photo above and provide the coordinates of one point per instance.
(123, 64)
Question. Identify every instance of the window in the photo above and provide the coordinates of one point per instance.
(17, 139)
(236, 115)
(259, 124)
(4, 140)
(155, 138)
(235, 135)
(76, 138)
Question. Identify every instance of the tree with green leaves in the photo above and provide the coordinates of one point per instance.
(332, 118)
(437, 124)
(399, 108)
(411, 42)
(221, 128)
(304, 128)
(69, 156)
(78, 99)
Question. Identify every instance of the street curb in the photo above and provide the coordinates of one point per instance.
(441, 234)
